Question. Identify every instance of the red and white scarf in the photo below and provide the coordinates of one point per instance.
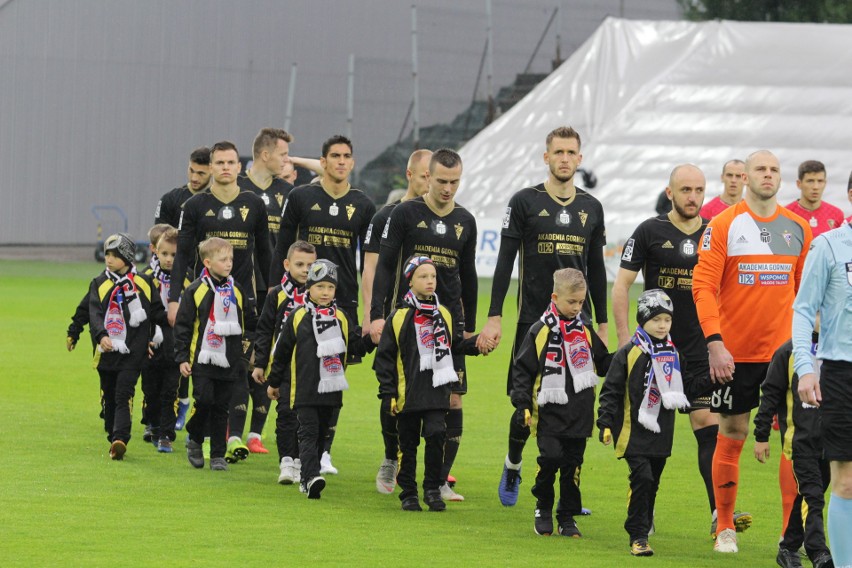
(567, 346)
(664, 385)
(223, 321)
(433, 339)
(124, 293)
(331, 349)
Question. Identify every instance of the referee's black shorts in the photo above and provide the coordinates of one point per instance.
(835, 383)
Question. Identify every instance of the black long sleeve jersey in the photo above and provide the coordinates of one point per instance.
(242, 222)
(100, 290)
(397, 363)
(373, 243)
(550, 234)
(621, 397)
(276, 309)
(666, 256)
(449, 240)
(295, 365)
(572, 420)
(170, 205)
(192, 316)
(336, 226)
(801, 428)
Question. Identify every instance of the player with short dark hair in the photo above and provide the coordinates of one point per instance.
(434, 225)
(821, 216)
(198, 174)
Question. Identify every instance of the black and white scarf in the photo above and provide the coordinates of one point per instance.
(123, 293)
(222, 321)
(567, 346)
(165, 280)
(331, 348)
(295, 294)
(433, 339)
(665, 385)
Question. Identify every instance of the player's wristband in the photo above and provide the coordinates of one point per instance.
(714, 337)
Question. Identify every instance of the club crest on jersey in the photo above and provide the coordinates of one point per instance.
(439, 228)
(788, 237)
(687, 247)
(578, 352)
(333, 210)
(226, 213)
(628, 250)
(280, 199)
(506, 216)
(244, 211)
(583, 216)
(563, 219)
(705, 239)
(350, 210)
(765, 235)
(459, 230)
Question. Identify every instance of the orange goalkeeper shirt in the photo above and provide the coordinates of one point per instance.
(748, 272)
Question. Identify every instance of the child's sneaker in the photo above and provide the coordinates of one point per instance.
(411, 504)
(117, 450)
(182, 409)
(726, 541)
(164, 446)
(433, 500)
(236, 451)
(297, 464)
(641, 548)
(509, 481)
(288, 475)
(543, 522)
(823, 560)
(314, 487)
(148, 434)
(194, 453)
(255, 446)
(787, 558)
(386, 478)
(326, 468)
(447, 493)
(569, 528)
(218, 464)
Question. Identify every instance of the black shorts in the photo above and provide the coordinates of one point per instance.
(520, 332)
(835, 411)
(743, 393)
(697, 385)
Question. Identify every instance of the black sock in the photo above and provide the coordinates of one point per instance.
(706, 438)
(332, 429)
(454, 422)
(260, 408)
(518, 436)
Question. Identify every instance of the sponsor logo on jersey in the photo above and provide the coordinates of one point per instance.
(506, 216)
(386, 229)
(666, 281)
(583, 216)
(774, 279)
(180, 220)
(208, 214)
(440, 228)
(244, 211)
(563, 219)
(350, 210)
(746, 279)
(764, 267)
(742, 240)
(765, 235)
(667, 245)
(544, 213)
(333, 210)
(705, 239)
(369, 234)
(628, 250)
(157, 212)
(316, 207)
(422, 225)
(687, 247)
(226, 213)
(459, 230)
(265, 198)
(813, 222)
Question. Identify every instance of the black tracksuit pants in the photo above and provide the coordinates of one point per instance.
(212, 400)
(286, 430)
(118, 388)
(565, 456)
(645, 473)
(314, 422)
(805, 525)
(411, 425)
(160, 386)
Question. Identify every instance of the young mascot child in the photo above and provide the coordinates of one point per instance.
(415, 370)
(208, 331)
(279, 304)
(161, 376)
(643, 387)
(801, 432)
(553, 391)
(309, 364)
(123, 305)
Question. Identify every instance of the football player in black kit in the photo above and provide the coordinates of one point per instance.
(417, 174)
(270, 153)
(553, 225)
(198, 178)
(332, 216)
(665, 250)
(435, 226)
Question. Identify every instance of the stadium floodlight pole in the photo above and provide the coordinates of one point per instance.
(350, 96)
(415, 79)
(291, 95)
(489, 75)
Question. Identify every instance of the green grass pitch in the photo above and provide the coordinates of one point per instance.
(65, 503)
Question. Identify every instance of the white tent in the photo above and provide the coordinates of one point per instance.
(646, 96)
